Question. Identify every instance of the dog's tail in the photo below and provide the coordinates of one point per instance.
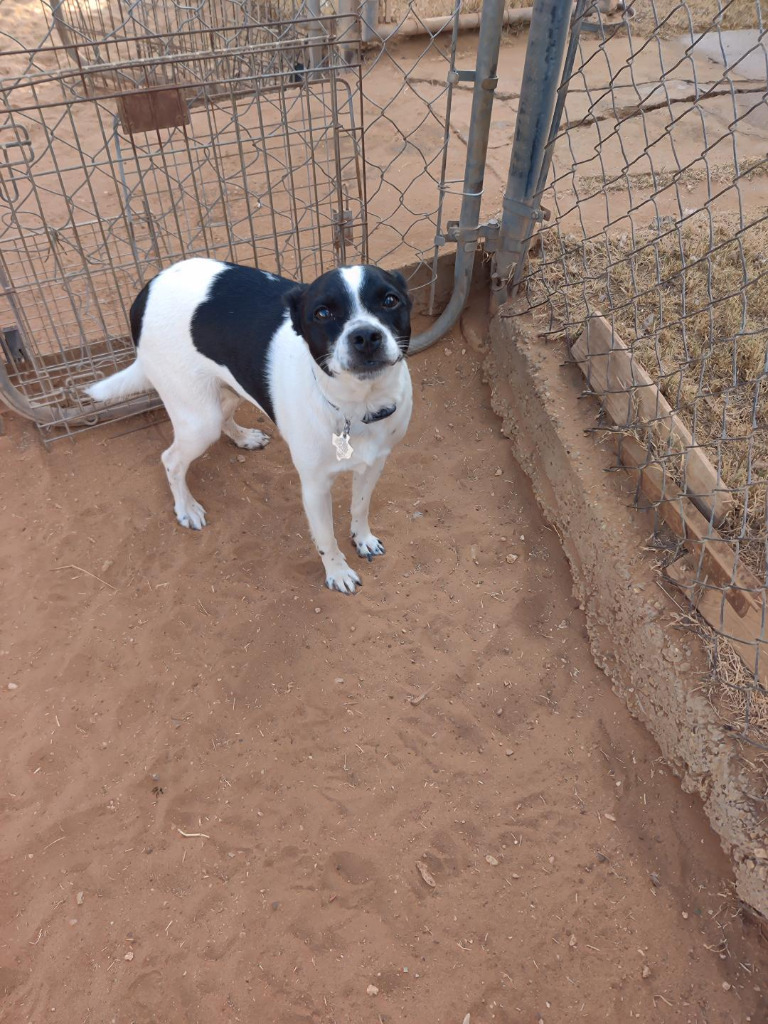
(131, 381)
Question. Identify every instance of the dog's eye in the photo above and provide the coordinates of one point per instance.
(323, 313)
(390, 301)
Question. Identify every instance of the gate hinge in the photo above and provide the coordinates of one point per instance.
(520, 209)
(488, 232)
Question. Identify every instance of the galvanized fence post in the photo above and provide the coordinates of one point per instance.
(533, 140)
(469, 229)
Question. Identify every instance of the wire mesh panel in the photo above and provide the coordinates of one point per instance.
(659, 200)
(138, 133)
(112, 170)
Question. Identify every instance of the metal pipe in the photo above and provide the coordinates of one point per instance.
(369, 13)
(488, 44)
(316, 53)
(554, 128)
(435, 26)
(562, 92)
(541, 75)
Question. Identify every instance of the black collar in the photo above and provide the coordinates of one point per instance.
(382, 414)
(370, 417)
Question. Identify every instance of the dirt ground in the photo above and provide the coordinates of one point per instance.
(217, 792)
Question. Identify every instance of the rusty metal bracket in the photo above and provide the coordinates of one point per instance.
(488, 233)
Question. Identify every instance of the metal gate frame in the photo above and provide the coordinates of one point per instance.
(349, 30)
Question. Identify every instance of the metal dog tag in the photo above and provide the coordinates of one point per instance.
(341, 443)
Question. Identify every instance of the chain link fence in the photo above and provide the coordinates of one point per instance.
(654, 267)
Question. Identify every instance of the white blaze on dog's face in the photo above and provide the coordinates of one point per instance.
(354, 320)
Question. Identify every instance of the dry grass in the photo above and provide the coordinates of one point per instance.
(693, 305)
(720, 174)
(695, 310)
(730, 688)
(667, 18)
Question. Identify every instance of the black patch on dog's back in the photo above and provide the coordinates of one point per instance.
(137, 312)
(236, 322)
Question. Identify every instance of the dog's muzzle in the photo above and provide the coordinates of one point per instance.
(368, 349)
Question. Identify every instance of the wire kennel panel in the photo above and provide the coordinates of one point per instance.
(101, 187)
(147, 28)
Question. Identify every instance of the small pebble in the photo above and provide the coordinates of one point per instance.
(338, 679)
(499, 712)
(241, 458)
(72, 922)
(372, 990)
(511, 558)
(685, 915)
(497, 473)
(492, 860)
(726, 987)
(317, 611)
(275, 905)
(602, 858)
(128, 955)
(13, 686)
(646, 971)
(509, 753)
(79, 899)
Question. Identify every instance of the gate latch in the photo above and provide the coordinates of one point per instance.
(488, 233)
(455, 76)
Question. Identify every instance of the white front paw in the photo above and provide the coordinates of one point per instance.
(343, 579)
(368, 546)
(191, 515)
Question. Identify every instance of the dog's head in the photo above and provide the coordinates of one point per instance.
(354, 320)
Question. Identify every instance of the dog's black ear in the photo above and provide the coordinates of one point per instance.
(402, 284)
(292, 300)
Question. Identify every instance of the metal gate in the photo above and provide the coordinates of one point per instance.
(138, 134)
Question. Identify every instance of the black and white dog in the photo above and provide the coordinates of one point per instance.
(325, 361)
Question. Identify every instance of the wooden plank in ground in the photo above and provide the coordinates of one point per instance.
(747, 633)
(633, 400)
(719, 561)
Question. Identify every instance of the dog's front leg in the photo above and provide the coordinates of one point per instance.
(363, 483)
(318, 506)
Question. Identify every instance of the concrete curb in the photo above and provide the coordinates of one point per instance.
(654, 669)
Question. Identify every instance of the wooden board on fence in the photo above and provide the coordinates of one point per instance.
(632, 399)
(746, 633)
(719, 560)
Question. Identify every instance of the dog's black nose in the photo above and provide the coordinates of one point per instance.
(366, 340)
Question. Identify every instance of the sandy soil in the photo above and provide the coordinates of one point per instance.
(156, 683)
(206, 684)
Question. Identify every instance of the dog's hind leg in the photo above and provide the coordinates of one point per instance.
(363, 482)
(197, 423)
(244, 437)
